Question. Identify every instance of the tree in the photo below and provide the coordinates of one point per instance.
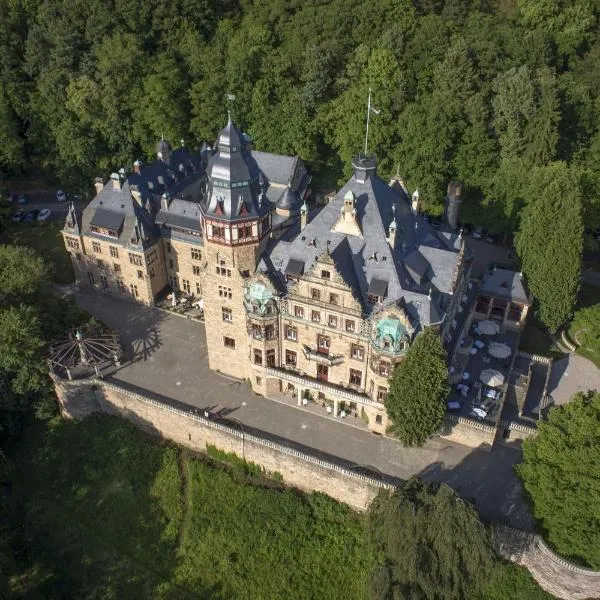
(550, 241)
(415, 403)
(22, 275)
(430, 544)
(560, 474)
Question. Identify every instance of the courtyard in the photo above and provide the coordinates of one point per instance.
(166, 357)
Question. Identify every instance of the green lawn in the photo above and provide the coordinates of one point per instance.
(509, 581)
(47, 240)
(586, 321)
(104, 512)
(100, 511)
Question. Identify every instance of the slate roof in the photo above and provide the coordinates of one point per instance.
(507, 284)
(233, 189)
(109, 219)
(285, 177)
(369, 257)
(115, 204)
(181, 214)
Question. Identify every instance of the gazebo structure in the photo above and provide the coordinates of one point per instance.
(82, 353)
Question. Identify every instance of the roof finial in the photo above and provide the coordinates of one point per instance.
(230, 100)
(370, 109)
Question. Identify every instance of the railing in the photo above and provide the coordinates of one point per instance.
(322, 386)
(248, 437)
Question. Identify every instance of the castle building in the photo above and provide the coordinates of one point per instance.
(317, 305)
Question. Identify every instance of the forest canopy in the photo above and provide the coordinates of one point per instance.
(483, 91)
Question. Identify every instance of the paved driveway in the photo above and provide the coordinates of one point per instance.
(168, 358)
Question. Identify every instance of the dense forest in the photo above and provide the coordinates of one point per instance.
(492, 92)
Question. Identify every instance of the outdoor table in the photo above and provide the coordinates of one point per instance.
(473, 351)
(466, 376)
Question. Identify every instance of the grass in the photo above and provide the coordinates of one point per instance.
(98, 510)
(46, 239)
(101, 511)
(586, 321)
(514, 582)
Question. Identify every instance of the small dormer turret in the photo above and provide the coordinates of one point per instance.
(416, 202)
(347, 222)
(392, 234)
(303, 216)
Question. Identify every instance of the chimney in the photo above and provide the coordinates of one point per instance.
(453, 202)
(137, 166)
(116, 181)
(303, 216)
(165, 201)
(98, 184)
(416, 202)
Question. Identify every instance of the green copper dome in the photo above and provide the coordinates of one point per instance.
(258, 299)
(390, 335)
(259, 293)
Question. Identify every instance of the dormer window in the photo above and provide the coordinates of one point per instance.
(375, 299)
(325, 274)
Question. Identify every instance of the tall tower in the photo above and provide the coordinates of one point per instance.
(236, 223)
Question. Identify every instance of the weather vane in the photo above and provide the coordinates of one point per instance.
(370, 109)
(230, 101)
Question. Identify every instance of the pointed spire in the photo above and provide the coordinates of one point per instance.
(71, 220)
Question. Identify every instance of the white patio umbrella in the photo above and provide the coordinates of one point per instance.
(498, 350)
(491, 377)
(488, 327)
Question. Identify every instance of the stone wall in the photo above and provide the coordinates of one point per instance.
(81, 398)
(468, 432)
(556, 575)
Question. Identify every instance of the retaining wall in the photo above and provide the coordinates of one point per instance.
(81, 398)
(468, 432)
(554, 574)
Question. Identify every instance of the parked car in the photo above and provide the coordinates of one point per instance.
(23, 199)
(29, 217)
(478, 413)
(60, 196)
(18, 216)
(493, 394)
(44, 214)
(478, 233)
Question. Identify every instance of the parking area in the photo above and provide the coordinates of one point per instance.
(479, 378)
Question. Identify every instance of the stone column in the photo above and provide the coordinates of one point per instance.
(299, 396)
(336, 407)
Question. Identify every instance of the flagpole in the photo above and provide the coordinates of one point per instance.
(368, 117)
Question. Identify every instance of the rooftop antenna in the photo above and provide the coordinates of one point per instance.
(370, 109)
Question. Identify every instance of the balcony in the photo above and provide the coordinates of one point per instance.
(321, 357)
(299, 379)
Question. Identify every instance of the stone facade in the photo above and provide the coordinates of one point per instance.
(319, 309)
